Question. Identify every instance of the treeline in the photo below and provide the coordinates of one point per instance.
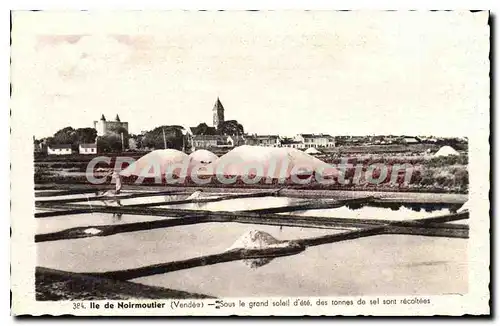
(115, 140)
(69, 136)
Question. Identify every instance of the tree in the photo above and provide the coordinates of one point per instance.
(86, 135)
(110, 143)
(74, 137)
(137, 140)
(64, 136)
(174, 138)
(231, 128)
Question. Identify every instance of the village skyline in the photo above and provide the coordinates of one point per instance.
(140, 130)
(221, 134)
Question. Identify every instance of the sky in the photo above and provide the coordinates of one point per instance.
(289, 72)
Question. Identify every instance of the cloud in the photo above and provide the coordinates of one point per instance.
(52, 40)
(65, 64)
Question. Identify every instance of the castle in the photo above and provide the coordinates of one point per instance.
(104, 127)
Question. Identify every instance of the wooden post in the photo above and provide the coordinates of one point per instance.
(164, 138)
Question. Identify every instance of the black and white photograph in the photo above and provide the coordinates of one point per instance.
(250, 162)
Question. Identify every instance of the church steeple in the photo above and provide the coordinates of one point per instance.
(218, 112)
(117, 118)
(103, 118)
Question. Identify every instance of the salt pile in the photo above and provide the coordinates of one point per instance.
(312, 150)
(273, 162)
(92, 231)
(195, 195)
(254, 239)
(161, 159)
(202, 156)
(446, 151)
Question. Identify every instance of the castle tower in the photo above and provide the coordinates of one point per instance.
(218, 112)
(100, 126)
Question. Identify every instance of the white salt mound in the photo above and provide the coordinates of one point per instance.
(160, 158)
(312, 150)
(255, 239)
(275, 162)
(92, 231)
(446, 151)
(195, 195)
(202, 156)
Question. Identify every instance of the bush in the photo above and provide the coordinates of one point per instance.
(448, 160)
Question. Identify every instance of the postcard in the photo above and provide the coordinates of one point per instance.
(251, 163)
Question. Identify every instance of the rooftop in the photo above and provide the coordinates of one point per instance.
(60, 146)
(316, 135)
(90, 145)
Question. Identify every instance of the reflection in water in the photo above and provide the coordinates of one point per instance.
(117, 217)
(238, 204)
(256, 263)
(114, 202)
(198, 205)
(416, 207)
(256, 239)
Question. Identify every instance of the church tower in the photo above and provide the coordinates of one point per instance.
(218, 114)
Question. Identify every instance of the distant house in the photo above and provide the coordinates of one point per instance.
(316, 140)
(88, 149)
(38, 146)
(263, 140)
(390, 139)
(291, 143)
(213, 141)
(204, 141)
(411, 140)
(64, 149)
(203, 129)
(428, 140)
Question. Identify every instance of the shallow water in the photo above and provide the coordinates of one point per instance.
(388, 264)
(135, 249)
(59, 223)
(465, 222)
(82, 196)
(132, 201)
(240, 204)
(378, 265)
(371, 212)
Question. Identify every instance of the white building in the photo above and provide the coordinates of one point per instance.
(411, 140)
(317, 141)
(87, 149)
(213, 141)
(59, 149)
(263, 140)
(290, 143)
